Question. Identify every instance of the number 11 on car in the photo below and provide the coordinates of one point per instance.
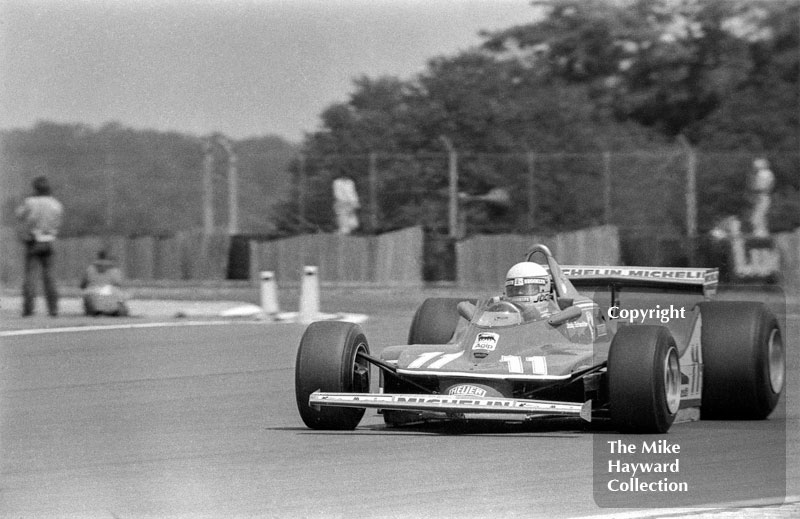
(516, 365)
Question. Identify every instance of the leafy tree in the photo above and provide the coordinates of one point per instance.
(669, 64)
(485, 106)
(587, 76)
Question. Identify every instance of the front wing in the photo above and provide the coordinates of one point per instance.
(453, 404)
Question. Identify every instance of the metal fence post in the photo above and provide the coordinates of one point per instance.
(208, 186)
(607, 187)
(531, 157)
(110, 174)
(233, 186)
(452, 207)
(373, 192)
(301, 187)
(690, 196)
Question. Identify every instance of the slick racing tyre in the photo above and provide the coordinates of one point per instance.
(644, 379)
(435, 321)
(744, 361)
(326, 361)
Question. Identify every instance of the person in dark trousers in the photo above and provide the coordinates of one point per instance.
(102, 288)
(39, 217)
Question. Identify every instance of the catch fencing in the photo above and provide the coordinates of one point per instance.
(656, 198)
(660, 198)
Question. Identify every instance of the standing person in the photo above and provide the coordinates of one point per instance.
(761, 182)
(39, 218)
(345, 204)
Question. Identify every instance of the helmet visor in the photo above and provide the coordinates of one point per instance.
(516, 287)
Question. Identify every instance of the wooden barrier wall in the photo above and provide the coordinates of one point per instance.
(184, 256)
(10, 258)
(390, 258)
(484, 260)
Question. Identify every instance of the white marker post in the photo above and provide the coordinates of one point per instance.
(269, 293)
(309, 295)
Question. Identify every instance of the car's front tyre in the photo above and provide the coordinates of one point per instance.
(644, 379)
(327, 361)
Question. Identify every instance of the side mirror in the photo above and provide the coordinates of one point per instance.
(565, 302)
(565, 315)
(466, 310)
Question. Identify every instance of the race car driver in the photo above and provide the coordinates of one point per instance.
(528, 282)
(528, 285)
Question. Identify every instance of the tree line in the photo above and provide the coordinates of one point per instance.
(117, 180)
(586, 77)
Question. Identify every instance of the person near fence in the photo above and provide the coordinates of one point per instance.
(39, 219)
(345, 204)
(102, 288)
(760, 185)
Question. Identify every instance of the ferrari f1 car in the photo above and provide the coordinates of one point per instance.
(636, 346)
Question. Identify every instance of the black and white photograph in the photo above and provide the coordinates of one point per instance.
(400, 259)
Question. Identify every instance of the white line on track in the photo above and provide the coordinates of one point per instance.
(716, 507)
(291, 319)
(94, 328)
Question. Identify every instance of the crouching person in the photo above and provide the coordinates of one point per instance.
(102, 288)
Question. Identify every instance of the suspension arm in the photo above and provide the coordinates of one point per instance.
(385, 366)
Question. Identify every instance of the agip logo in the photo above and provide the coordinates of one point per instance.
(486, 341)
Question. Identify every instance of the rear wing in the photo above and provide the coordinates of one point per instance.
(699, 280)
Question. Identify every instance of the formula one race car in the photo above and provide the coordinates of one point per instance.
(648, 345)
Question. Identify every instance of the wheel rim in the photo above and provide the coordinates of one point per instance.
(672, 381)
(776, 361)
(360, 370)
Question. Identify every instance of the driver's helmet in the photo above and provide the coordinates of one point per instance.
(527, 279)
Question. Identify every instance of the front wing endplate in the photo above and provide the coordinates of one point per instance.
(451, 404)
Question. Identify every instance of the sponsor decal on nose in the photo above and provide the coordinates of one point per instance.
(486, 341)
(467, 390)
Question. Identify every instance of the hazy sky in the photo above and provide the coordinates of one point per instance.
(244, 67)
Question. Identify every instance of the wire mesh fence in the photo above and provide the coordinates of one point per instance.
(669, 193)
(644, 193)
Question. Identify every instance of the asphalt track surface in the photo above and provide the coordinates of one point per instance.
(201, 421)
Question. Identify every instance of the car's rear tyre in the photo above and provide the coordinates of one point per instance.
(435, 321)
(326, 361)
(744, 361)
(644, 379)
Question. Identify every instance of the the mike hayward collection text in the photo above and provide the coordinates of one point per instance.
(644, 476)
